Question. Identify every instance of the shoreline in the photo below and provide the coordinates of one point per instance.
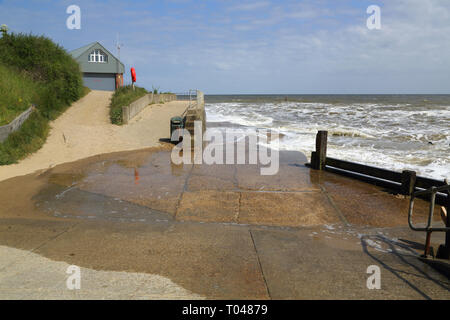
(398, 134)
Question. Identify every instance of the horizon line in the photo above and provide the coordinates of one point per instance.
(329, 94)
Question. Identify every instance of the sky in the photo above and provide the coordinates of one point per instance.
(258, 46)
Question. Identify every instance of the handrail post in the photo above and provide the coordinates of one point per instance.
(408, 182)
(445, 252)
(447, 234)
(444, 249)
(319, 157)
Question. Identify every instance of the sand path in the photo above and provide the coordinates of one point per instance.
(85, 130)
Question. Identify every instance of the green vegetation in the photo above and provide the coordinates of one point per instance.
(123, 97)
(34, 70)
(155, 90)
(47, 63)
(17, 93)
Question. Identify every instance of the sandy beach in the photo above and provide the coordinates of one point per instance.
(88, 120)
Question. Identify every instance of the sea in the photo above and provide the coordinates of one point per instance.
(398, 132)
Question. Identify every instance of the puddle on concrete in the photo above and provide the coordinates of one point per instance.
(75, 203)
(140, 186)
(116, 187)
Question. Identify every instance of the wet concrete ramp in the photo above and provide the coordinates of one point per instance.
(220, 231)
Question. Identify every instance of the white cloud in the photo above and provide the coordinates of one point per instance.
(250, 6)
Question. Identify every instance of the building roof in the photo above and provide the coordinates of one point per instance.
(113, 65)
(78, 52)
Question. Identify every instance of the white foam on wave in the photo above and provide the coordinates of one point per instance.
(392, 136)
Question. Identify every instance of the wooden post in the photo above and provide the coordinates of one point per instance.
(408, 182)
(318, 158)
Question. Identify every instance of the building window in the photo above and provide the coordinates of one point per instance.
(98, 56)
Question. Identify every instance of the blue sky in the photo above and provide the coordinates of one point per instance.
(259, 46)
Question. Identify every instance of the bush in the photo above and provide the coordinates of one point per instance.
(48, 77)
(123, 97)
(17, 93)
(45, 62)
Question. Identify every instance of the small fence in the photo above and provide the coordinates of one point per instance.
(195, 98)
(191, 96)
(444, 250)
(15, 125)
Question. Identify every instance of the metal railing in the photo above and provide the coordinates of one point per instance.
(190, 96)
(429, 227)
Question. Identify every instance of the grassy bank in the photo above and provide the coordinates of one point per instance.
(123, 97)
(34, 70)
(17, 93)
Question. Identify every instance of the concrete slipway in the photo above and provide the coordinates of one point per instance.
(142, 228)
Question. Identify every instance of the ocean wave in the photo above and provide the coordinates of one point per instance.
(390, 135)
(349, 133)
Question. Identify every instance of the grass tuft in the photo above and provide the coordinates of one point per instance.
(17, 93)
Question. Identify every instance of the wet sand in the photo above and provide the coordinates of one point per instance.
(85, 130)
(220, 231)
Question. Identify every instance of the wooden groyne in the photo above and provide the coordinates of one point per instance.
(405, 182)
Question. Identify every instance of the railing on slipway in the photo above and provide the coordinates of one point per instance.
(429, 227)
(190, 96)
